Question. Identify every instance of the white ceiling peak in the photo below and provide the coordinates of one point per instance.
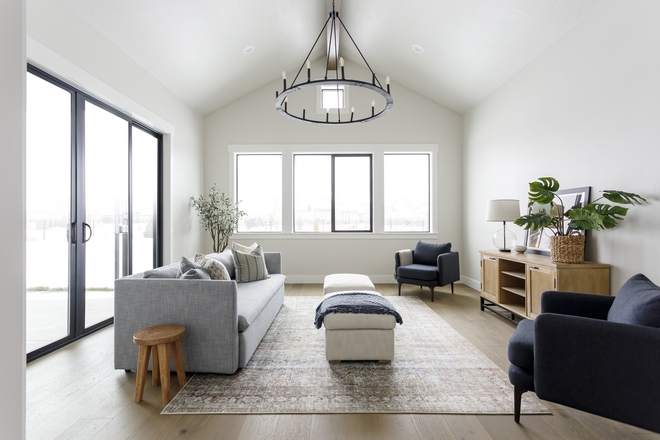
(195, 48)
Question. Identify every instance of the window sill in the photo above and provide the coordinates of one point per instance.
(337, 235)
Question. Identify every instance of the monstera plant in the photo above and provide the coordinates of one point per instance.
(593, 216)
(219, 215)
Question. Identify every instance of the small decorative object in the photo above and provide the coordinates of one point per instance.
(219, 215)
(568, 225)
(503, 210)
(520, 248)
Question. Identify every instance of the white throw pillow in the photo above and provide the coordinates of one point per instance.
(216, 269)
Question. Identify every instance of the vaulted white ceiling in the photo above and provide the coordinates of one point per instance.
(195, 47)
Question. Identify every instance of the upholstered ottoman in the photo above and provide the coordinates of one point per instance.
(351, 336)
(359, 337)
(347, 281)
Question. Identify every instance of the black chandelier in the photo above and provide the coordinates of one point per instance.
(375, 85)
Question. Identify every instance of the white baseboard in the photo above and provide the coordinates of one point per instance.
(376, 279)
(476, 285)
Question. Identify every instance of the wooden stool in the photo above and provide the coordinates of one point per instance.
(162, 338)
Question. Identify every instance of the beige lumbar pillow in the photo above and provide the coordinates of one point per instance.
(216, 269)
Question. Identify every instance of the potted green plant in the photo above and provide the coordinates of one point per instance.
(566, 224)
(219, 215)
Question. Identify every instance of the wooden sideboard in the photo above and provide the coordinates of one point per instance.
(512, 283)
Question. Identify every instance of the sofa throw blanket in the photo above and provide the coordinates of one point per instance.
(355, 302)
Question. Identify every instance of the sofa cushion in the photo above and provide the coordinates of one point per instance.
(637, 303)
(427, 253)
(227, 260)
(253, 297)
(215, 268)
(418, 272)
(169, 271)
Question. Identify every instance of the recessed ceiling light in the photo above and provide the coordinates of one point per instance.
(417, 48)
(247, 50)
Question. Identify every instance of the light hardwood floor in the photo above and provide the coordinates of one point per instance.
(75, 393)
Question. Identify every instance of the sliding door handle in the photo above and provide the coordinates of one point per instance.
(85, 237)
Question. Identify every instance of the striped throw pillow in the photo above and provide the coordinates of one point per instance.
(249, 266)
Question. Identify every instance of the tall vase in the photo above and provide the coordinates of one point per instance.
(567, 248)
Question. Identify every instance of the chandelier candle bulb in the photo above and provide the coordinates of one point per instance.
(327, 114)
(303, 113)
(352, 112)
(373, 106)
(387, 82)
(284, 79)
(308, 71)
(341, 63)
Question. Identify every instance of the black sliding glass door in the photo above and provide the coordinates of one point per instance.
(93, 210)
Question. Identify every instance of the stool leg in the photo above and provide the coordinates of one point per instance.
(155, 368)
(143, 362)
(164, 360)
(177, 354)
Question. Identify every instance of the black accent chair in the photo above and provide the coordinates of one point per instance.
(429, 265)
(598, 354)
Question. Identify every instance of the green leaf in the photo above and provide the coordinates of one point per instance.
(584, 219)
(623, 198)
(543, 190)
(534, 221)
(611, 215)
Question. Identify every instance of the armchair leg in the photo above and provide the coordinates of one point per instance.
(452, 288)
(517, 395)
(399, 289)
(432, 289)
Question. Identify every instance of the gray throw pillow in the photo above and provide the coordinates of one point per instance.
(185, 265)
(637, 303)
(195, 274)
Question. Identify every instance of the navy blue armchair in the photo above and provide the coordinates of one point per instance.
(598, 354)
(429, 265)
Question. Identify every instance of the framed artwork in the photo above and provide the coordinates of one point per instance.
(538, 240)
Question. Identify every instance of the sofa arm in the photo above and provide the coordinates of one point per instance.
(273, 262)
(606, 368)
(206, 308)
(577, 304)
(448, 268)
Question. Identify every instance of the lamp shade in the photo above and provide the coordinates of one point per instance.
(503, 210)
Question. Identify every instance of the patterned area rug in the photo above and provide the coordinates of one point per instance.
(435, 370)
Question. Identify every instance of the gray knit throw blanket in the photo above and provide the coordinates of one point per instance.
(355, 302)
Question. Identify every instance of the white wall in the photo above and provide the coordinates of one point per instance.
(413, 120)
(69, 47)
(586, 112)
(12, 220)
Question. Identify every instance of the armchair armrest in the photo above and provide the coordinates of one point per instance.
(577, 304)
(448, 268)
(606, 368)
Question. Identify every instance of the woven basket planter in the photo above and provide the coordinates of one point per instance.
(567, 249)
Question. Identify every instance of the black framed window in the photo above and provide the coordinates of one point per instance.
(333, 193)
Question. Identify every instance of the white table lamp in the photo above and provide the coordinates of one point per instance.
(503, 210)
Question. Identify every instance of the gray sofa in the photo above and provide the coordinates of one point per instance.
(224, 320)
